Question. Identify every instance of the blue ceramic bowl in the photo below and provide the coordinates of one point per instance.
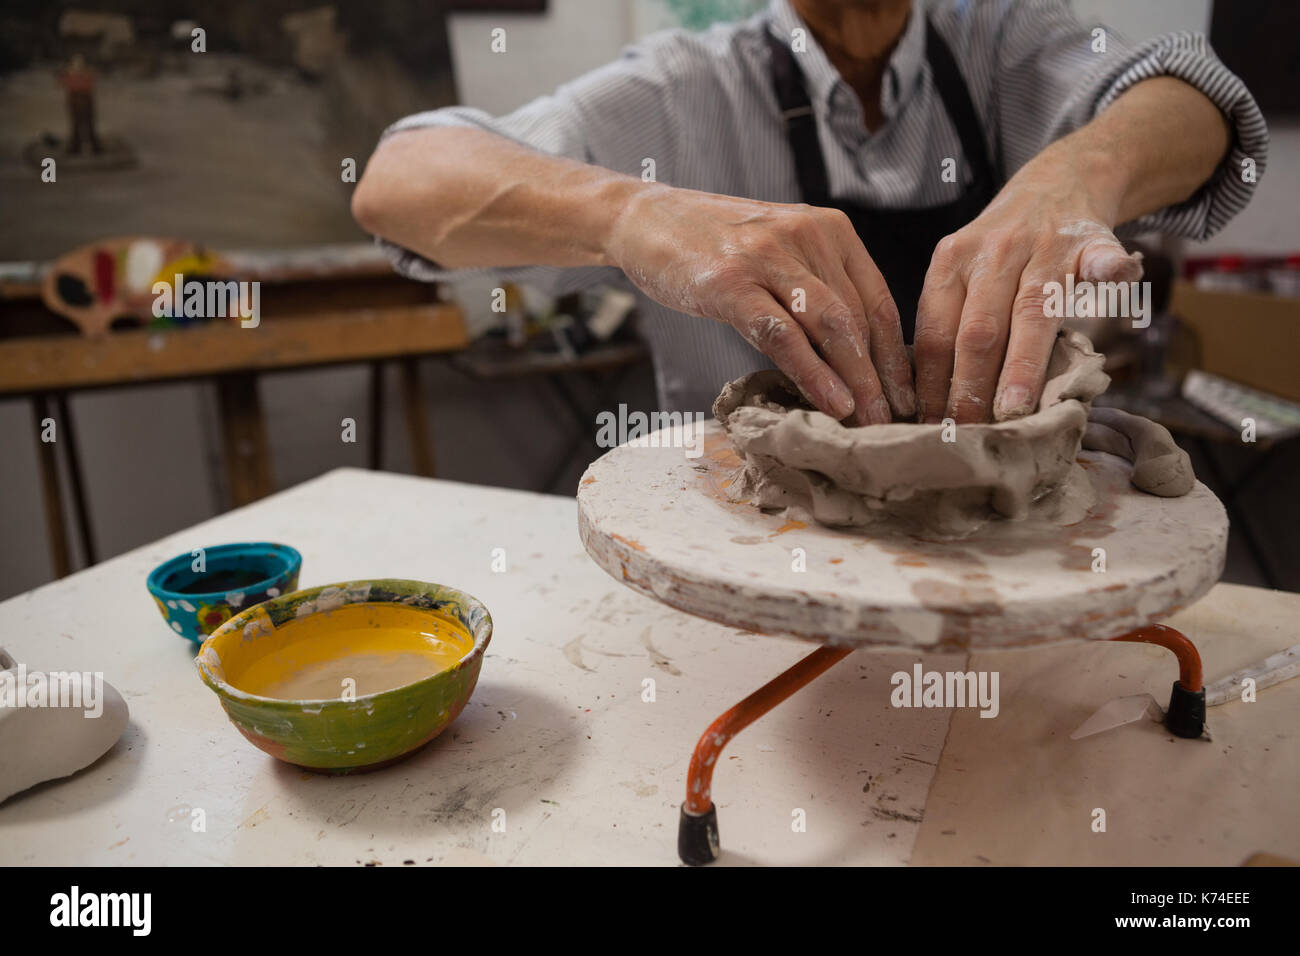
(233, 577)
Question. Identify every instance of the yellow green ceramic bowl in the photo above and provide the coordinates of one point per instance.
(348, 676)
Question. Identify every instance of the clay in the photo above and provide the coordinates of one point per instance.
(941, 481)
(39, 742)
(1160, 467)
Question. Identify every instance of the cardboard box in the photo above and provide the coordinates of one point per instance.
(1251, 338)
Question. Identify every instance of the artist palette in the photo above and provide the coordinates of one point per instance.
(348, 676)
(111, 283)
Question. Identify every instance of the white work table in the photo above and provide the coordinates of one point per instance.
(558, 736)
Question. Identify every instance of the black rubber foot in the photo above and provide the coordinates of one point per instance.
(1186, 715)
(697, 837)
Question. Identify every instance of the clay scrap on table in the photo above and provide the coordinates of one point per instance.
(797, 458)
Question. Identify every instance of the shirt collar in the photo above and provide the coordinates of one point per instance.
(824, 81)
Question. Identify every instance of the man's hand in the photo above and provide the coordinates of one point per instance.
(983, 339)
(794, 280)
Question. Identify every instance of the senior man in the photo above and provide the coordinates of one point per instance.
(812, 186)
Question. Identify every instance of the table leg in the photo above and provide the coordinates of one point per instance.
(247, 449)
(51, 491)
(78, 485)
(1186, 714)
(375, 455)
(417, 422)
(697, 832)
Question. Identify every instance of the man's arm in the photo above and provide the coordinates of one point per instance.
(465, 198)
(1157, 153)
(795, 281)
(981, 321)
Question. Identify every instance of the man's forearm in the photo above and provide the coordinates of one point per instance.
(1154, 146)
(466, 198)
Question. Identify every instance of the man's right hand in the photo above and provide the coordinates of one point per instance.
(743, 262)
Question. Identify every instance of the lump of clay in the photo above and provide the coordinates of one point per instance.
(41, 742)
(1160, 467)
(800, 459)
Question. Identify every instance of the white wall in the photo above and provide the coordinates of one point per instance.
(1139, 19)
(1271, 223)
(574, 36)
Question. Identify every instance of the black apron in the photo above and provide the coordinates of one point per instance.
(900, 241)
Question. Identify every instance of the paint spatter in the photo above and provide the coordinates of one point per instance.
(73, 291)
(640, 788)
(790, 526)
(105, 275)
(657, 658)
(629, 542)
(573, 654)
(144, 260)
(967, 609)
(260, 815)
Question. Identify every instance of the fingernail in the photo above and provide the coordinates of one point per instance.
(880, 413)
(906, 401)
(1014, 400)
(839, 401)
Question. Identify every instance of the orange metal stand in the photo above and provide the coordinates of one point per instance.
(697, 833)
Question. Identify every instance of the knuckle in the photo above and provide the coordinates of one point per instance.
(883, 307)
(1000, 244)
(836, 325)
(771, 334)
(844, 313)
(1022, 369)
(1031, 304)
(734, 271)
(837, 219)
(947, 252)
(979, 332)
(931, 344)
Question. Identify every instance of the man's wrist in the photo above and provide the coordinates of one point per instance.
(622, 201)
(1077, 165)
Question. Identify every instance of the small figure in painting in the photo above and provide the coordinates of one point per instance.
(78, 82)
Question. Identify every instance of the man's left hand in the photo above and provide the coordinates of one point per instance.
(983, 335)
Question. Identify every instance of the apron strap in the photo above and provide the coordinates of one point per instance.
(961, 111)
(801, 122)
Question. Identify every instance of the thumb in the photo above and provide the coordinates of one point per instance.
(1103, 259)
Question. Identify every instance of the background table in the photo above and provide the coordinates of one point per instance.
(559, 737)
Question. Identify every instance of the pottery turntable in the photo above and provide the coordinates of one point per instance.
(661, 522)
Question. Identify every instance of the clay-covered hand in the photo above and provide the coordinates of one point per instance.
(983, 335)
(794, 280)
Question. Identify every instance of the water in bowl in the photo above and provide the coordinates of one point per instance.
(354, 650)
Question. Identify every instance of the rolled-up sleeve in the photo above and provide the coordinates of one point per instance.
(617, 116)
(1051, 77)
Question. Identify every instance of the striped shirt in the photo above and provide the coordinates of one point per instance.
(702, 107)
